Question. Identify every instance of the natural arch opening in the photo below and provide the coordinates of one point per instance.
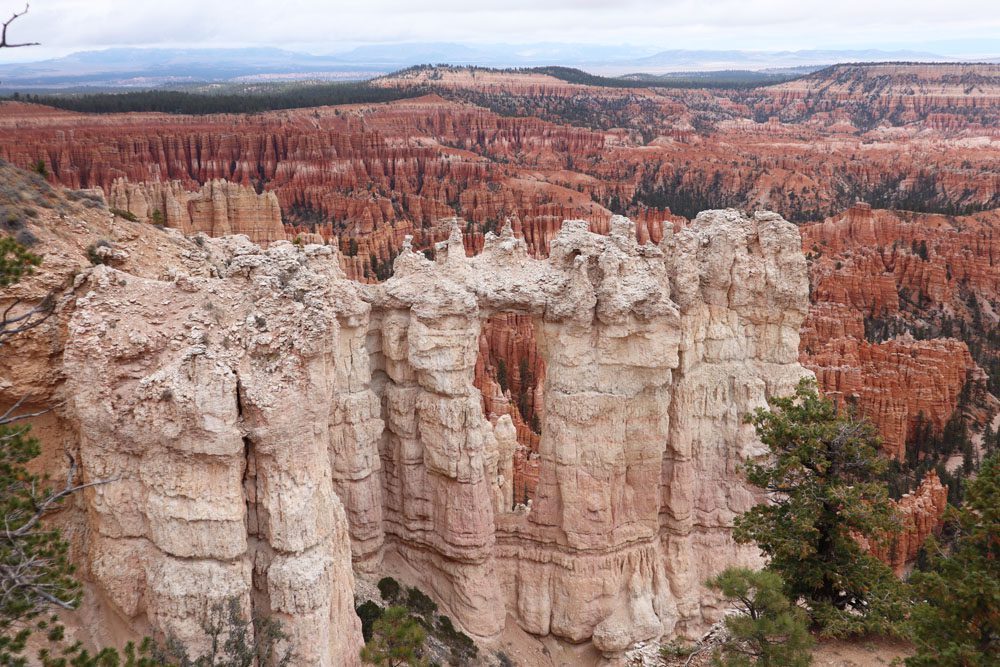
(510, 375)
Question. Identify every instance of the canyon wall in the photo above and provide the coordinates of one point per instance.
(920, 515)
(270, 425)
(899, 300)
(218, 208)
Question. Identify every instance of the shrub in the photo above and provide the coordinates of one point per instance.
(389, 589)
(368, 612)
(126, 215)
(15, 261)
(463, 649)
(397, 640)
(419, 603)
(9, 219)
(94, 256)
(40, 169)
(26, 238)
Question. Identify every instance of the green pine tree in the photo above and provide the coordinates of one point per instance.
(769, 631)
(15, 261)
(957, 620)
(823, 482)
(397, 641)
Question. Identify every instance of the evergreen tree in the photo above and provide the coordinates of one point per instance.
(397, 641)
(957, 621)
(502, 375)
(823, 481)
(40, 169)
(769, 631)
(15, 261)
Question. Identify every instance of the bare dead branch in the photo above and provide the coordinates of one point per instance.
(3, 37)
(11, 325)
(43, 508)
(11, 416)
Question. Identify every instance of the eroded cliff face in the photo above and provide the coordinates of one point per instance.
(920, 515)
(233, 412)
(652, 356)
(900, 299)
(218, 208)
(275, 430)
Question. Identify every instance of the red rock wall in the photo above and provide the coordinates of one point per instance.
(871, 264)
(510, 339)
(920, 515)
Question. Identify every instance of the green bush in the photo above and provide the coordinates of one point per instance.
(419, 603)
(397, 640)
(768, 631)
(368, 612)
(126, 215)
(389, 589)
(463, 649)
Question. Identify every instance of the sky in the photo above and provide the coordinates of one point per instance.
(952, 27)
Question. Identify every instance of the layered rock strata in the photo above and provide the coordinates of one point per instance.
(892, 291)
(652, 355)
(268, 423)
(218, 208)
(234, 416)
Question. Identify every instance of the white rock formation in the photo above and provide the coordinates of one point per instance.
(276, 423)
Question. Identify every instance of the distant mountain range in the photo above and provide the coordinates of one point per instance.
(159, 67)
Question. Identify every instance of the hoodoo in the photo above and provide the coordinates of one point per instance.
(275, 427)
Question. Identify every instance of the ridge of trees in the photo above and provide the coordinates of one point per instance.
(183, 102)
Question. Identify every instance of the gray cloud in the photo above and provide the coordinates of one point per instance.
(325, 26)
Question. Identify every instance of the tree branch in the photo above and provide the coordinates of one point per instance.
(43, 508)
(3, 37)
(9, 417)
(11, 325)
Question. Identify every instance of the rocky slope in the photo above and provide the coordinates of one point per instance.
(180, 358)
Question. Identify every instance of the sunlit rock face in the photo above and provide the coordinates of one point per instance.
(276, 429)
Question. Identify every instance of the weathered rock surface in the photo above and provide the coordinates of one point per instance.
(219, 208)
(181, 391)
(270, 423)
(652, 356)
(920, 515)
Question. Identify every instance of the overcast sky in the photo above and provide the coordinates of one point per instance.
(956, 27)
